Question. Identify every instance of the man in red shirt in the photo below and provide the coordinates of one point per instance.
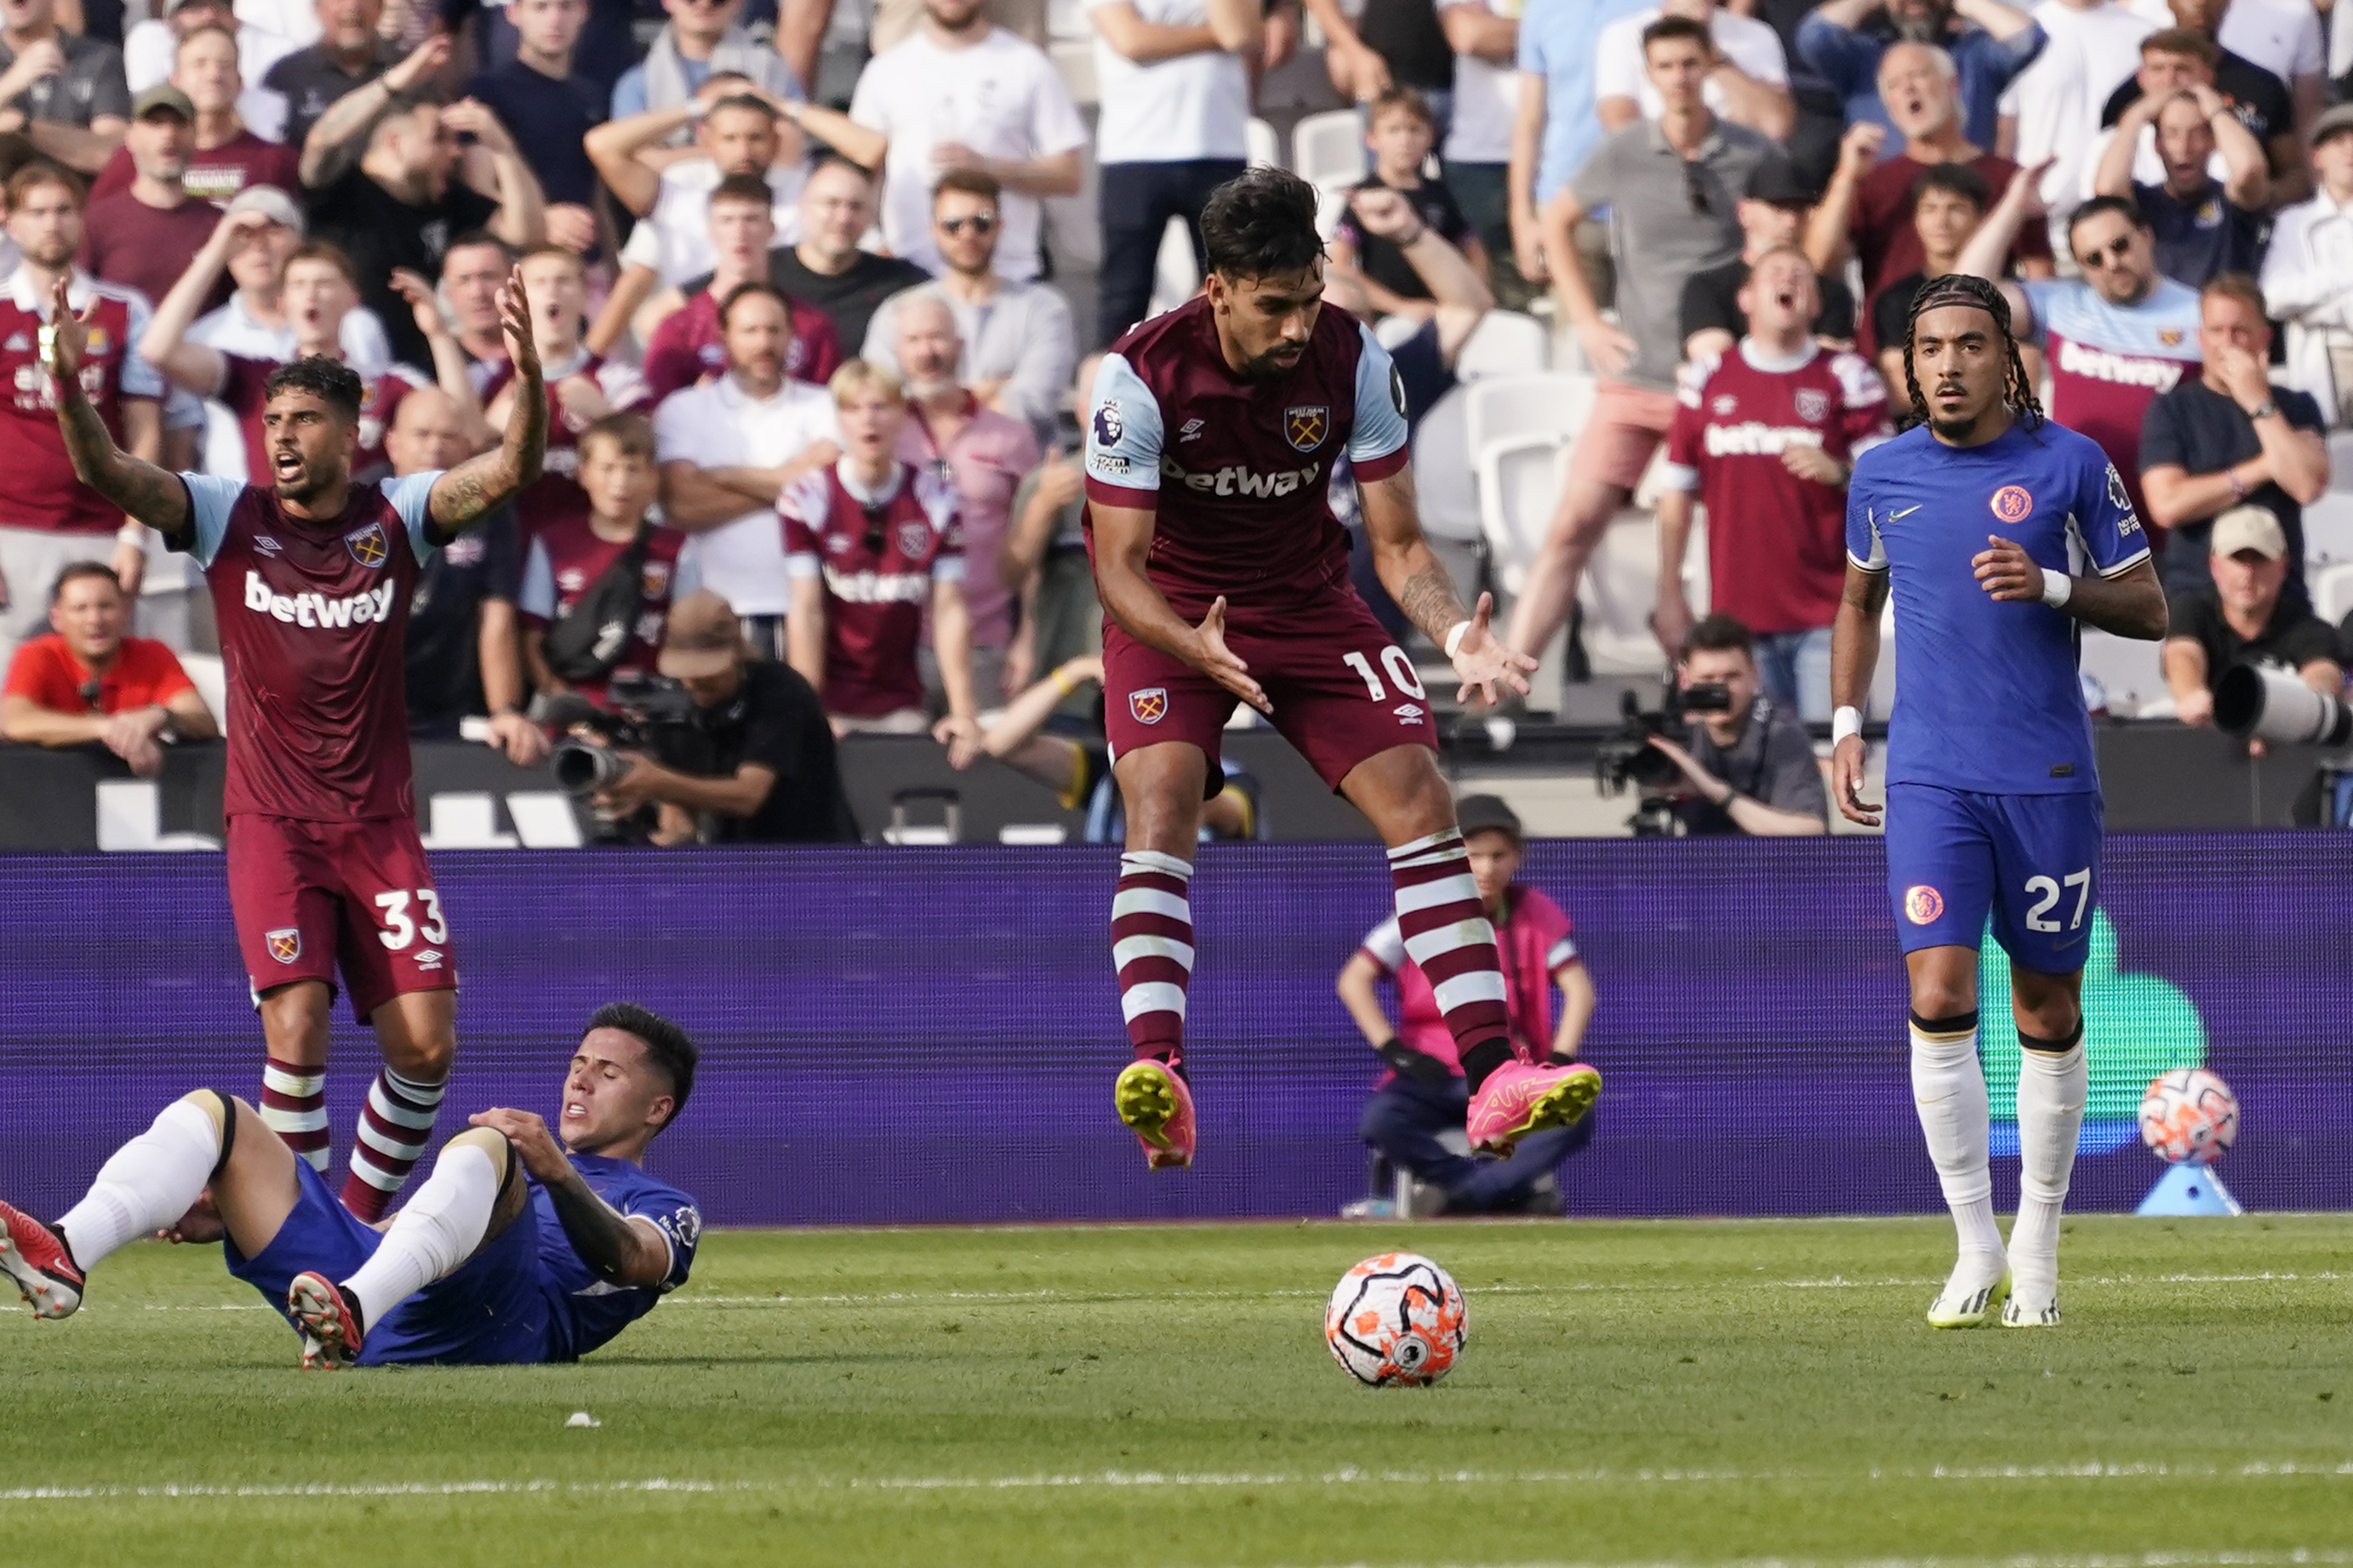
(869, 543)
(145, 234)
(226, 156)
(1868, 205)
(86, 681)
(316, 291)
(311, 580)
(1765, 437)
(688, 347)
(49, 520)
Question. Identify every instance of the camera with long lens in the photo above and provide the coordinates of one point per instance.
(645, 710)
(2265, 703)
(1630, 761)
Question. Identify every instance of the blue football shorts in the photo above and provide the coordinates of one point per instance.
(2029, 861)
(489, 1312)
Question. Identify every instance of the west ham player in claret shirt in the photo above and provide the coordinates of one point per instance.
(1765, 437)
(1224, 578)
(1997, 531)
(310, 579)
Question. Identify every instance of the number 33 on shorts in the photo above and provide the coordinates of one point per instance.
(401, 928)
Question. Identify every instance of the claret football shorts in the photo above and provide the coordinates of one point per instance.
(311, 896)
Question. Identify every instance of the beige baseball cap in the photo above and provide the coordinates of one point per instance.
(700, 638)
(2250, 527)
(269, 199)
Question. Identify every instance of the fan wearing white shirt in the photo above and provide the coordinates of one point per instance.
(2051, 110)
(2308, 275)
(150, 47)
(961, 94)
(729, 446)
(1748, 82)
(1175, 99)
(1478, 148)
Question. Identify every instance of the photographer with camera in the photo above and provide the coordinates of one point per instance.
(2245, 619)
(741, 750)
(1748, 764)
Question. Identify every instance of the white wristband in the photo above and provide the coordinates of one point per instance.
(2057, 587)
(1454, 638)
(1844, 722)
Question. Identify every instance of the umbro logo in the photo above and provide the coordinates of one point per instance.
(1408, 712)
(1192, 428)
(429, 959)
(266, 545)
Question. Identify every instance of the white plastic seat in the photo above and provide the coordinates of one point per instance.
(2329, 529)
(2129, 670)
(1552, 403)
(1263, 146)
(1175, 277)
(1446, 492)
(210, 677)
(1519, 477)
(2332, 592)
(1504, 342)
(1617, 590)
(1328, 149)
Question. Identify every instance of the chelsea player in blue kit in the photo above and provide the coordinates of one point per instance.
(527, 1244)
(1996, 531)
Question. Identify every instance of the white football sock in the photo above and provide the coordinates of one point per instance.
(1948, 1090)
(148, 1183)
(438, 1231)
(2052, 1088)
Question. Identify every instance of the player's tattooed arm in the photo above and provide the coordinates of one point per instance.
(478, 487)
(624, 1250)
(1417, 581)
(153, 495)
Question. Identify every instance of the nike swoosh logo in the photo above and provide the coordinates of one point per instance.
(1900, 516)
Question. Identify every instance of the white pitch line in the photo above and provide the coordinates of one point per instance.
(1350, 1476)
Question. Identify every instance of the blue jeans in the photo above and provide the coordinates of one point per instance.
(1794, 669)
(1404, 1118)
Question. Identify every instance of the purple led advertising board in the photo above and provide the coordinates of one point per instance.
(928, 1035)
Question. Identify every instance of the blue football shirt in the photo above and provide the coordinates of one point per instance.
(1987, 698)
(584, 1311)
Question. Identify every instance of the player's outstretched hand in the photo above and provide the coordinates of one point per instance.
(1483, 663)
(514, 320)
(1846, 784)
(1213, 658)
(533, 1144)
(2007, 572)
(67, 336)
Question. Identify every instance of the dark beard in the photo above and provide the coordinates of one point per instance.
(1927, 29)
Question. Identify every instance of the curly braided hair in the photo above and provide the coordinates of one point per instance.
(1979, 293)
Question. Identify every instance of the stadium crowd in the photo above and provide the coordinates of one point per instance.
(813, 358)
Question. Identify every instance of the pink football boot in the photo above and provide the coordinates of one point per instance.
(1520, 1097)
(1158, 1108)
(35, 1256)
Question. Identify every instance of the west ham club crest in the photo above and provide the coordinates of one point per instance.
(1306, 425)
(368, 545)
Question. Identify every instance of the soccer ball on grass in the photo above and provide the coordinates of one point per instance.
(2189, 1117)
(1398, 1318)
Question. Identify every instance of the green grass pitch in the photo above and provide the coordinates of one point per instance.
(1632, 1392)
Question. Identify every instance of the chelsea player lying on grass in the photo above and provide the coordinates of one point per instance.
(526, 1244)
(1980, 519)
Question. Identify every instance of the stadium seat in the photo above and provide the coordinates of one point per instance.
(2127, 668)
(211, 681)
(1175, 278)
(1328, 149)
(2332, 592)
(1519, 477)
(2340, 460)
(2329, 529)
(1074, 62)
(1265, 147)
(1505, 343)
(1443, 481)
(1618, 591)
(1551, 404)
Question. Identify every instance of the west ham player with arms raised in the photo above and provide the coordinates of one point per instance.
(312, 578)
(1224, 578)
(1978, 519)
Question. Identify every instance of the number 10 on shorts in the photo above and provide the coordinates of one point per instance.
(1401, 669)
(2048, 891)
(401, 928)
